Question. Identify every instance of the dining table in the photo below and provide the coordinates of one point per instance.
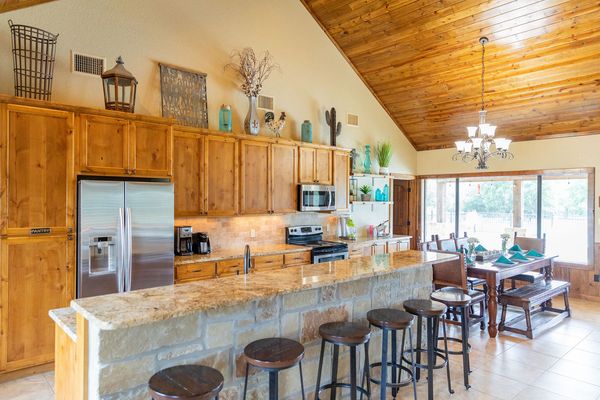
(494, 274)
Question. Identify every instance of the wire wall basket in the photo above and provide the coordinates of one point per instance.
(34, 53)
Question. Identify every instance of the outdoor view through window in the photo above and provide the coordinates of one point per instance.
(486, 207)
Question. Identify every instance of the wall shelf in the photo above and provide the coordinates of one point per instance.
(358, 175)
(373, 204)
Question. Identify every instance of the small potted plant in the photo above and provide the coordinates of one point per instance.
(505, 238)
(472, 241)
(365, 191)
(383, 152)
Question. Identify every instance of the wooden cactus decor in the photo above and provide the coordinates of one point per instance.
(335, 128)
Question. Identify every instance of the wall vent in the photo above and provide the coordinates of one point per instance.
(265, 102)
(352, 120)
(87, 64)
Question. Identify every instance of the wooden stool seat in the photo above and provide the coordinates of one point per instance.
(424, 308)
(451, 296)
(274, 353)
(190, 382)
(390, 318)
(345, 333)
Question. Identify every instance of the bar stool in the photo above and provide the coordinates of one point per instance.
(458, 300)
(348, 334)
(189, 382)
(433, 312)
(391, 320)
(273, 355)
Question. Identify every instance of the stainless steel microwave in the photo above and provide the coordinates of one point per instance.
(316, 198)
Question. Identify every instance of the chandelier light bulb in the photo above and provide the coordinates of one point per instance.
(472, 131)
(460, 146)
(500, 143)
(483, 129)
(468, 147)
(507, 143)
(476, 142)
(491, 130)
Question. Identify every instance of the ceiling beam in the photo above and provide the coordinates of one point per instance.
(10, 5)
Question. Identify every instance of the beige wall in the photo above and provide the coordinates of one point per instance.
(200, 35)
(574, 152)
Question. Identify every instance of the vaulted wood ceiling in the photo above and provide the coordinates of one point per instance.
(9, 5)
(422, 60)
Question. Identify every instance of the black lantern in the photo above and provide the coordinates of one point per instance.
(119, 88)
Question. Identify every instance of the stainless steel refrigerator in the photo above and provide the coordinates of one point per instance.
(125, 236)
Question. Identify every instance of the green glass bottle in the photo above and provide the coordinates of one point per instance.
(225, 118)
(367, 163)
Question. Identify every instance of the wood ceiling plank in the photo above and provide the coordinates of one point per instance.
(10, 5)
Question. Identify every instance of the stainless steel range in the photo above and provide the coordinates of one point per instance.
(312, 236)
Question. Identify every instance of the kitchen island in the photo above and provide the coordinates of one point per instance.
(120, 340)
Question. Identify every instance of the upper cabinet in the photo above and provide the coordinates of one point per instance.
(104, 145)
(255, 180)
(284, 177)
(116, 146)
(188, 173)
(39, 155)
(221, 181)
(315, 165)
(341, 174)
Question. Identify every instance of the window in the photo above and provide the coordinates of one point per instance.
(555, 204)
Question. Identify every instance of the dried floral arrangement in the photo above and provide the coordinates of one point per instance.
(251, 70)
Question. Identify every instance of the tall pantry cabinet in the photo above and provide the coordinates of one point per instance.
(37, 252)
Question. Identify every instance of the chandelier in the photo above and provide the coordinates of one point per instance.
(478, 145)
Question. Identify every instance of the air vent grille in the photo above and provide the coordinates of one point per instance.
(352, 120)
(87, 64)
(265, 102)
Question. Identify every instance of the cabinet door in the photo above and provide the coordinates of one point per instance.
(284, 178)
(323, 174)
(150, 146)
(378, 248)
(221, 179)
(307, 165)
(39, 178)
(36, 277)
(188, 173)
(394, 247)
(341, 175)
(267, 263)
(255, 193)
(103, 145)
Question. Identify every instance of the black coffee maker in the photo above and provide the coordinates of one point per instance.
(183, 241)
(201, 243)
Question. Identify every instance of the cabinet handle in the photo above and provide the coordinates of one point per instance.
(69, 237)
(133, 171)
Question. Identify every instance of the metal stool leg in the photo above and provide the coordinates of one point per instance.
(419, 347)
(384, 350)
(394, 394)
(394, 357)
(320, 369)
(246, 380)
(412, 363)
(430, 356)
(465, 345)
(447, 356)
(353, 384)
(368, 373)
(273, 385)
(301, 380)
(334, 370)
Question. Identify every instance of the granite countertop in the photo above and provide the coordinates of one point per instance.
(227, 254)
(124, 310)
(368, 239)
(66, 318)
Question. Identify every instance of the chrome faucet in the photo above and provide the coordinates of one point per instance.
(247, 260)
(380, 229)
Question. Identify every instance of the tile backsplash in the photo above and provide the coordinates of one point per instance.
(232, 232)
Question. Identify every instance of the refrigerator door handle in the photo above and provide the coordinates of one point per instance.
(121, 253)
(129, 259)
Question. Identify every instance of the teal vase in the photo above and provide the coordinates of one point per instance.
(386, 193)
(306, 131)
(225, 118)
(367, 163)
(378, 195)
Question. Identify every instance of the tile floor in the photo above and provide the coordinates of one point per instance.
(560, 364)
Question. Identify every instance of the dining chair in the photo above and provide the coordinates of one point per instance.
(447, 245)
(528, 243)
(429, 246)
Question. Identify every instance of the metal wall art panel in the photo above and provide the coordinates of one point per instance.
(183, 95)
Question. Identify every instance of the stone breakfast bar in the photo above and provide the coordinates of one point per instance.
(107, 347)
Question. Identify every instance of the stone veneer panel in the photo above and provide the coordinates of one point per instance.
(128, 357)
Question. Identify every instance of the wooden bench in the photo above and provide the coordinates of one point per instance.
(530, 296)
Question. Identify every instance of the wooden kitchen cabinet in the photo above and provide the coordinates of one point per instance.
(37, 276)
(150, 146)
(255, 179)
(39, 182)
(103, 145)
(294, 259)
(284, 178)
(188, 173)
(195, 272)
(267, 263)
(315, 166)
(116, 146)
(378, 248)
(341, 179)
(230, 267)
(221, 179)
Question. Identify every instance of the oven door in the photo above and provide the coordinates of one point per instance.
(321, 258)
(316, 198)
